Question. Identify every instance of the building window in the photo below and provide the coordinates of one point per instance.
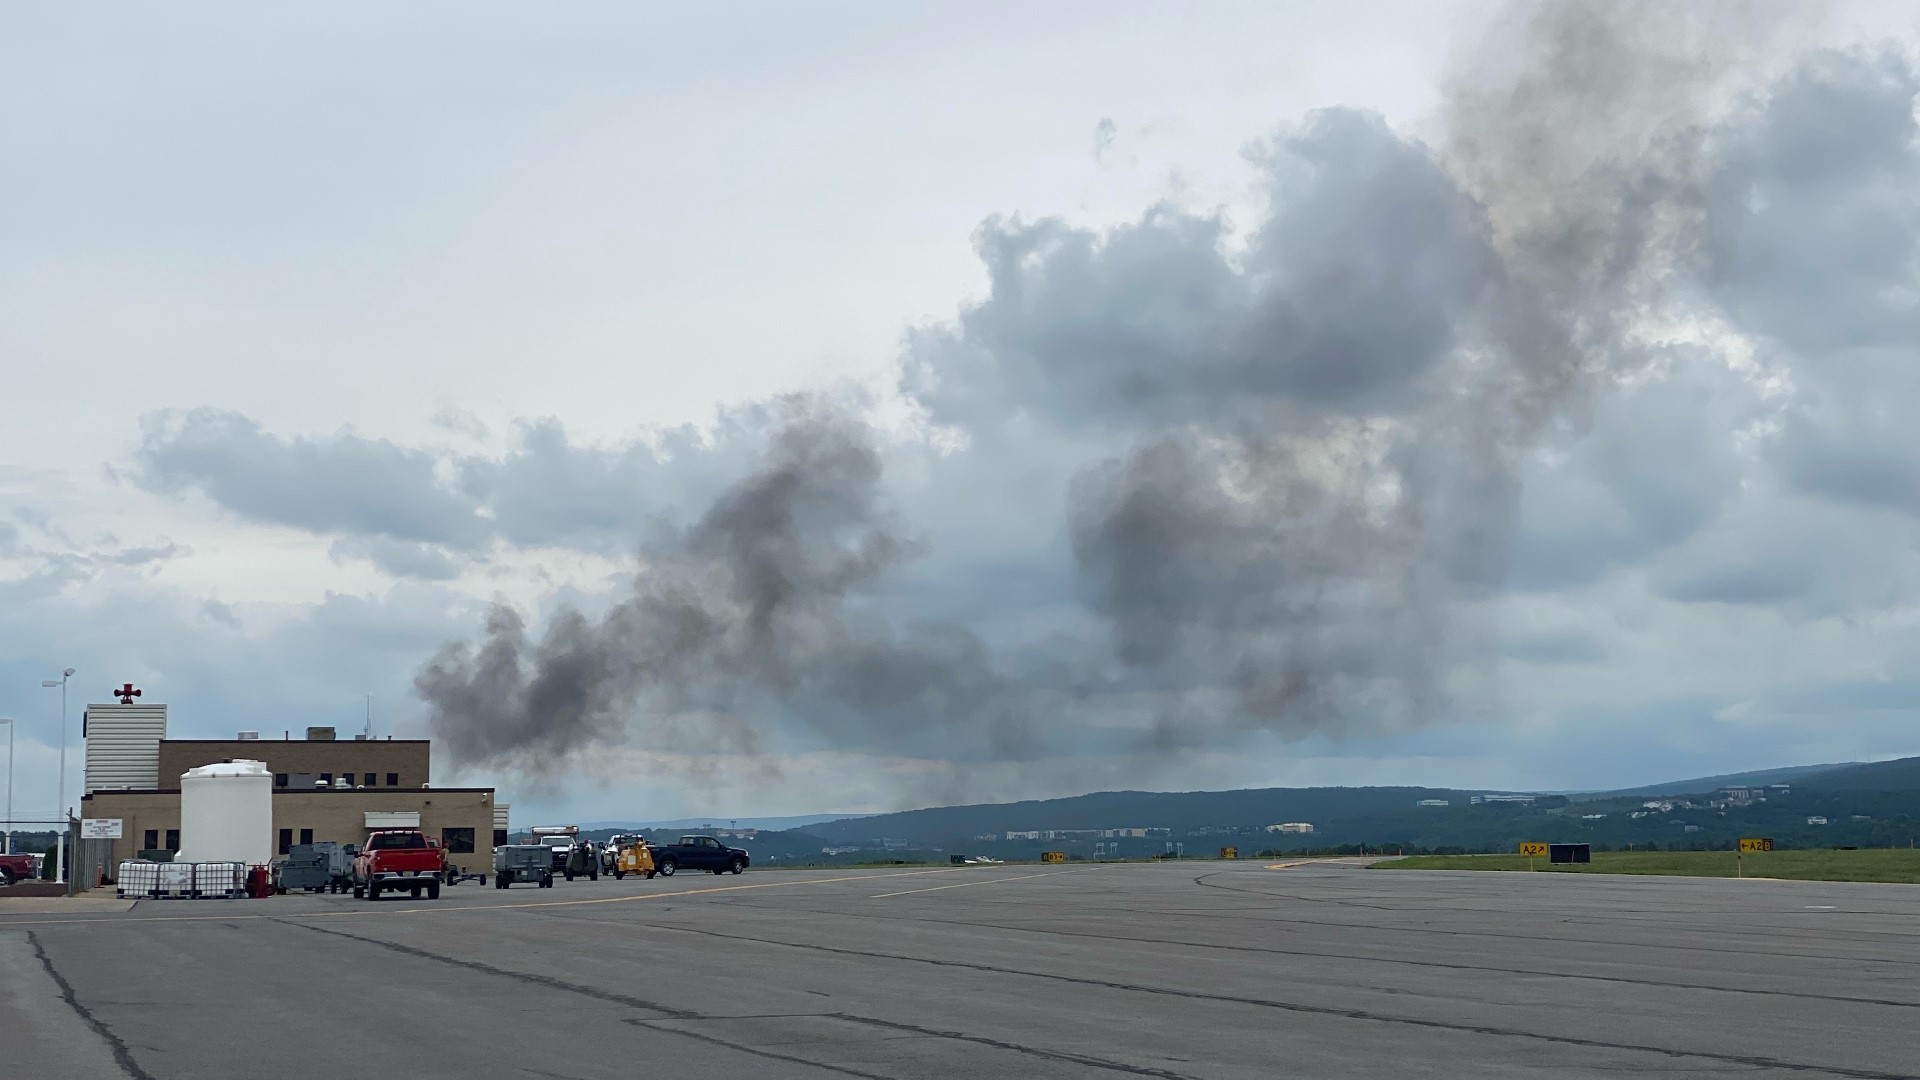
(279, 779)
(369, 780)
(153, 839)
(457, 841)
(393, 779)
(326, 778)
(306, 836)
(173, 840)
(499, 837)
(286, 841)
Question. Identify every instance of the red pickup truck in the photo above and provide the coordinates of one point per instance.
(396, 859)
(17, 868)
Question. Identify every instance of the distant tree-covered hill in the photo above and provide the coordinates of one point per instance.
(1901, 774)
(1182, 810)
(1761, 777)
(1867, 804)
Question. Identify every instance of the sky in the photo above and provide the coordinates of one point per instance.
(773, 409)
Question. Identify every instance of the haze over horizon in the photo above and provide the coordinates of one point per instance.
(841, 409)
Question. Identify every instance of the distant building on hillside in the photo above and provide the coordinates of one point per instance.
(1816, 820)
(1433, 802)
(1292, 827)
(1741, 796)
(1521, 800)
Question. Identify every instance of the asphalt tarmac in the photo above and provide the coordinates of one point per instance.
(1166, 970)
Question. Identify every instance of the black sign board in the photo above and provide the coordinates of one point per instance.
(1569, 853)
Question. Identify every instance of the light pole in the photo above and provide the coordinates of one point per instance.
(9, 723)
(59, 849)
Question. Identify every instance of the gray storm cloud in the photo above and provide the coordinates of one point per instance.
(1302, 445)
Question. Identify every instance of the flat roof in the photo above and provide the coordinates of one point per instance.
(304, 791)
(346, 740)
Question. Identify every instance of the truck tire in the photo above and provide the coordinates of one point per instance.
(650, 874)
(667, 867)
(593, 875)
(433, 891)
(618, 874)
(358, 892)
(6, 877)
(547, 882)
(739, 866)
(569, 874)
(373, 891)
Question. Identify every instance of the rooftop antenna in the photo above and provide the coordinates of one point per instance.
(369, 729)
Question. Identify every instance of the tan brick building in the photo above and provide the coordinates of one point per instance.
(325, 789)
(300, 764)
(461, 819)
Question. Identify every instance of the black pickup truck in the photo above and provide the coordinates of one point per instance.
(697, 853)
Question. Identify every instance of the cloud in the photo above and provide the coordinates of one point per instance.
(399, 558)
(549, 491)
(1615, 362)
(339, 483)
(1650, 466)
(1349, 291)
(1289, 459)
(1813, 220)
(1103, 136)
(406, 508)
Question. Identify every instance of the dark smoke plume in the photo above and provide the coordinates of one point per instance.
(1303, 447)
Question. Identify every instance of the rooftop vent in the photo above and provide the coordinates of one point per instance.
(249, 736)
(319, 734)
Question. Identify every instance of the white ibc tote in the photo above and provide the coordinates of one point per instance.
(226, 813)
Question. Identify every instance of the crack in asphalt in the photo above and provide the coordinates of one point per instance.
(1749, 1060)
(1033, 1051)
(669, 1013)
(843, 1070)
(1267, 950)
(122, 1056)
(547, 981)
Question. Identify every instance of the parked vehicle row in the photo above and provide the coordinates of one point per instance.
(410, 861)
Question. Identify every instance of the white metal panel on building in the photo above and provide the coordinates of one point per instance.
(500, 817)
(393, 819)
(123, 746)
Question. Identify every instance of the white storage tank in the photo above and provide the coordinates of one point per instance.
(226, 813)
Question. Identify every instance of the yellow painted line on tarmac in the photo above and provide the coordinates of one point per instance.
(1281, 866)
(446, 909)
(989, 881)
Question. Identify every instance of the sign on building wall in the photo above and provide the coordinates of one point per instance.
(100, 828)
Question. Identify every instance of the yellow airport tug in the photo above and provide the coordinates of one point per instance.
(634, 858)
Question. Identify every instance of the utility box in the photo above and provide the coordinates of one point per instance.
(1569, 853)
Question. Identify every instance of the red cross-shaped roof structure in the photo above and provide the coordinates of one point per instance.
(126, 694)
